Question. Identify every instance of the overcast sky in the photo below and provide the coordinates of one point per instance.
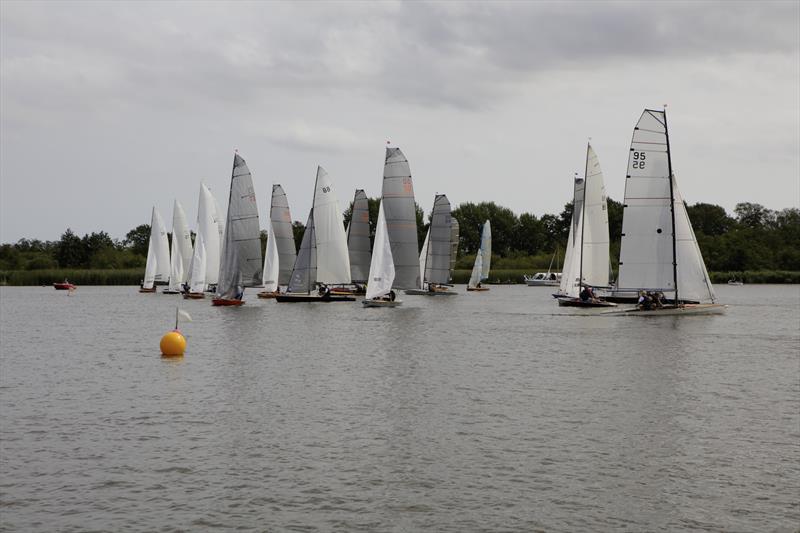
(109, 108)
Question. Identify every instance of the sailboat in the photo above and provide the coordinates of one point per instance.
(454, 229)
(157, 267)
(197, 279)
(281, 253)
(240, 264)
(586, 258)
(397, 198)
(323, 259)
(180, 252)
(381, 269)
(435, 269)
(208, 226)
(483, 259)
(358, 241)
(550, 278)
(659, 251)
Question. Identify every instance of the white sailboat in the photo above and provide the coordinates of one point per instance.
(381, 269)
(240, 266)
(435, 256)
(659, 252)
(156, 268)
(323, 259)
(197, 280)
(480, 270)
(586, 259)
(180, 251)
(208, 229)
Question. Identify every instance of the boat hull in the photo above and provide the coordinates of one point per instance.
(193, 296)
(64, 286)
(265, 295)
(226, 302)
(170, 291)
(541, 283)
(381, 303)
(142, 289)
(477, 289)
(300, 298)
(681, 310)
(566, 301)
(426, 292)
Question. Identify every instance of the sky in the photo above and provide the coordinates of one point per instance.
(110, 108)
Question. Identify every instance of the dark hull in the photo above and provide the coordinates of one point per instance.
(300, 298)
(577, 302)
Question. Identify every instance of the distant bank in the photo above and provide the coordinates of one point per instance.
(133, 276)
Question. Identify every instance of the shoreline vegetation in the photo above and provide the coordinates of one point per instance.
(503, 276)
(755, 245)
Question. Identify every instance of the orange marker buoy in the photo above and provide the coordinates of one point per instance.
(173, 343)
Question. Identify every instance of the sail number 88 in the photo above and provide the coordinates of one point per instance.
(326, 189)
(638, 160)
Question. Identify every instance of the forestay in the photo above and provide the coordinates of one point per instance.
(401, 218)
(381, 269)
(281, 220)
(437, 263)
(241, 248)
(358, 238)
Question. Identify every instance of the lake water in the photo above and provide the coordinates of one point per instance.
(494, 411)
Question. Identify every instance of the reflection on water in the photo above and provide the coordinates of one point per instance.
(487, 411)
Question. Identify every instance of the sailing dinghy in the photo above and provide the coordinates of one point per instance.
(435, 256)
(180, 252)
(240, 265)
(157, 267)
(197, 279)
(586, 258)
(659, 251)
(381, 269)
(323, 258)
(281, 253)
(480, 270)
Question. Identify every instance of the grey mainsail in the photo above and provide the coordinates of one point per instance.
(304, 274)
(437, 262)
(401, 218)
(358, 238)
(241, 265)
(454, 229)
(284, 235)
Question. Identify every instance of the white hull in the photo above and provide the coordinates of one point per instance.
(541, 283)
(683, 310)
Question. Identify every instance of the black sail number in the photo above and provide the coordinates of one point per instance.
(638, 160)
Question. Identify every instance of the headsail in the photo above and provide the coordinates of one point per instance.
(197, 283)
(241, 265)
(437, 263)
(157, 266)
(381, 269)
(477, 269)
(208, 227)
(358, 238)
(181, 250)
(694, 282)
(271, 271)
(401, 218)
(281, 220)
(304, 273)
(423, 257)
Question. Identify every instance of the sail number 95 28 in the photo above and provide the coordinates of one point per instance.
(638, 160)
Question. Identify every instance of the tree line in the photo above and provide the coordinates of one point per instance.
(753, 238)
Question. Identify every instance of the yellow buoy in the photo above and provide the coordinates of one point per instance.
(173, 343)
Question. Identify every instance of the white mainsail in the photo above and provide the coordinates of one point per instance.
(381, 268)
(157, 267)
(569, 284)
(595, 239)
(271, 269)
(181, 250)
(241, 264)
(333, 260)
(486, 250)
(477, 270)
(208, 227)
(197, 283)
(423, 256)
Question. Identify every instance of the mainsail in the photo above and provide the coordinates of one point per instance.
(381, 268)
(271, 270)
(401, 218)
(281, 220)
(477, 270)
(437, 262)
(486, 250)
(423, 257)
(181, 250)
(157, 267)
(595, 240)
(208, 227)
(197, 283)
(454, 228)
(241, 265)
(358, 238)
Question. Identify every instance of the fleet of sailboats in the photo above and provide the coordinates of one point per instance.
(659, 254)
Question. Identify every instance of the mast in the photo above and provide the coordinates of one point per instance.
(672, 209)
(583, 217)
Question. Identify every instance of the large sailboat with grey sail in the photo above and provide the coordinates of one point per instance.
(435, 256)
(240, 266)
(397, 197)
(281, 252)
(659, 254)
(323, 259)
(358, 242)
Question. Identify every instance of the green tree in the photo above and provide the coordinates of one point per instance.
(709, 219)
(70, 252)
(298, 229)
(138, 239)
(753, 215)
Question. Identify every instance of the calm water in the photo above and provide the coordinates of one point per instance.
(484, 412)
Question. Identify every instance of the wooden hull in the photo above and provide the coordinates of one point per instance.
(477, 289)
(142, 289)
(301, 298)
(566, 301)
(268, 295)
(64, 286)
(348, 290)
(381, 303)
(426, 292)
(225, 302)
(193, 296)
(681, 310)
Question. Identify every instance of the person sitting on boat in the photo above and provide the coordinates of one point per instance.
(658, 300)
(239, 292)
(587, 295)
(324, 290)
(645, 302)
